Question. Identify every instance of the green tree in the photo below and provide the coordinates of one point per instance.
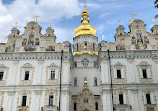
(156, 6)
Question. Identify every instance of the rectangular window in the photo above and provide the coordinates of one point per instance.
(75, 64)
(1, 76)
(75, 106)
(144, 73)
(75, 81)
(121, 99)
(148, 100)
(52, 75)
(24, 98)
(118, 73)
(51, 100)
(26, 75)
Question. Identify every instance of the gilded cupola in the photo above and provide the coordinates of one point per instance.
(85, 28)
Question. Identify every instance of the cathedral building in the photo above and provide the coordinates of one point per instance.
(38, 74)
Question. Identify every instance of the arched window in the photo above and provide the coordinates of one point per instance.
(77, 47)
(85, 81)
(96, 106)
(95, 81)
(93, 47)
(85, 45)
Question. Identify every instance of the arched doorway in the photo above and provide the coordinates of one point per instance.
(85, 101)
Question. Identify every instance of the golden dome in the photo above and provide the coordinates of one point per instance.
(85, 28)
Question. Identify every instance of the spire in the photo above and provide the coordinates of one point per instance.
(85, 15)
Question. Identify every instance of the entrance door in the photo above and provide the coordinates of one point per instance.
(85, 110)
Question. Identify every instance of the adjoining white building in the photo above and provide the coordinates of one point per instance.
(38, 74)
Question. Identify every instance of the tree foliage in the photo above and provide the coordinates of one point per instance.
(156, 3)
(156, 6)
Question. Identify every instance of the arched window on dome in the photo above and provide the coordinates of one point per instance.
(93, 47)
(85, 45)
(77, 47)
(95, 81)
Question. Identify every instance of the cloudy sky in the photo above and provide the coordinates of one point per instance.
(66, 14)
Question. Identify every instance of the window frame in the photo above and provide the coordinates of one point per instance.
(95, 82)
(75, 81)
(28, 75)
(1, 78)
(121, 97)
(148, 99)
(119, 75)
(75, 106)
(96, 106)
(51, 100)
(24, 103)
(144, 74)
(52, 75)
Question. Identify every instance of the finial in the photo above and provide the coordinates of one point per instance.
(5, 38)
(50, 23)
(67, 37)
(35, 17)
(119, 21)
(153, 20)
(103, 37)
(16, 23)
(85, 4)
(135, 15)
(130, 21)
(40, 22)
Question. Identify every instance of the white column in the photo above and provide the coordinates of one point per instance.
(40, 72)
(37, 100)
(135, 106)
(10, 101)
(65, 101)
(106, 101)
(66, 72)
(15, 73)
(104, 71)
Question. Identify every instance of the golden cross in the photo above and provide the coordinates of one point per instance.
(50, 23)
(119, 21)
(35, 17)
(84, 4)
(135, 15)
(16, 23)
(103, 37)
(153, 20)
(67, 37)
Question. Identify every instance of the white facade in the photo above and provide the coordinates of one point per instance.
(38, 74)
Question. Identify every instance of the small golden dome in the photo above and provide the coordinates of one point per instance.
(85, 28)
